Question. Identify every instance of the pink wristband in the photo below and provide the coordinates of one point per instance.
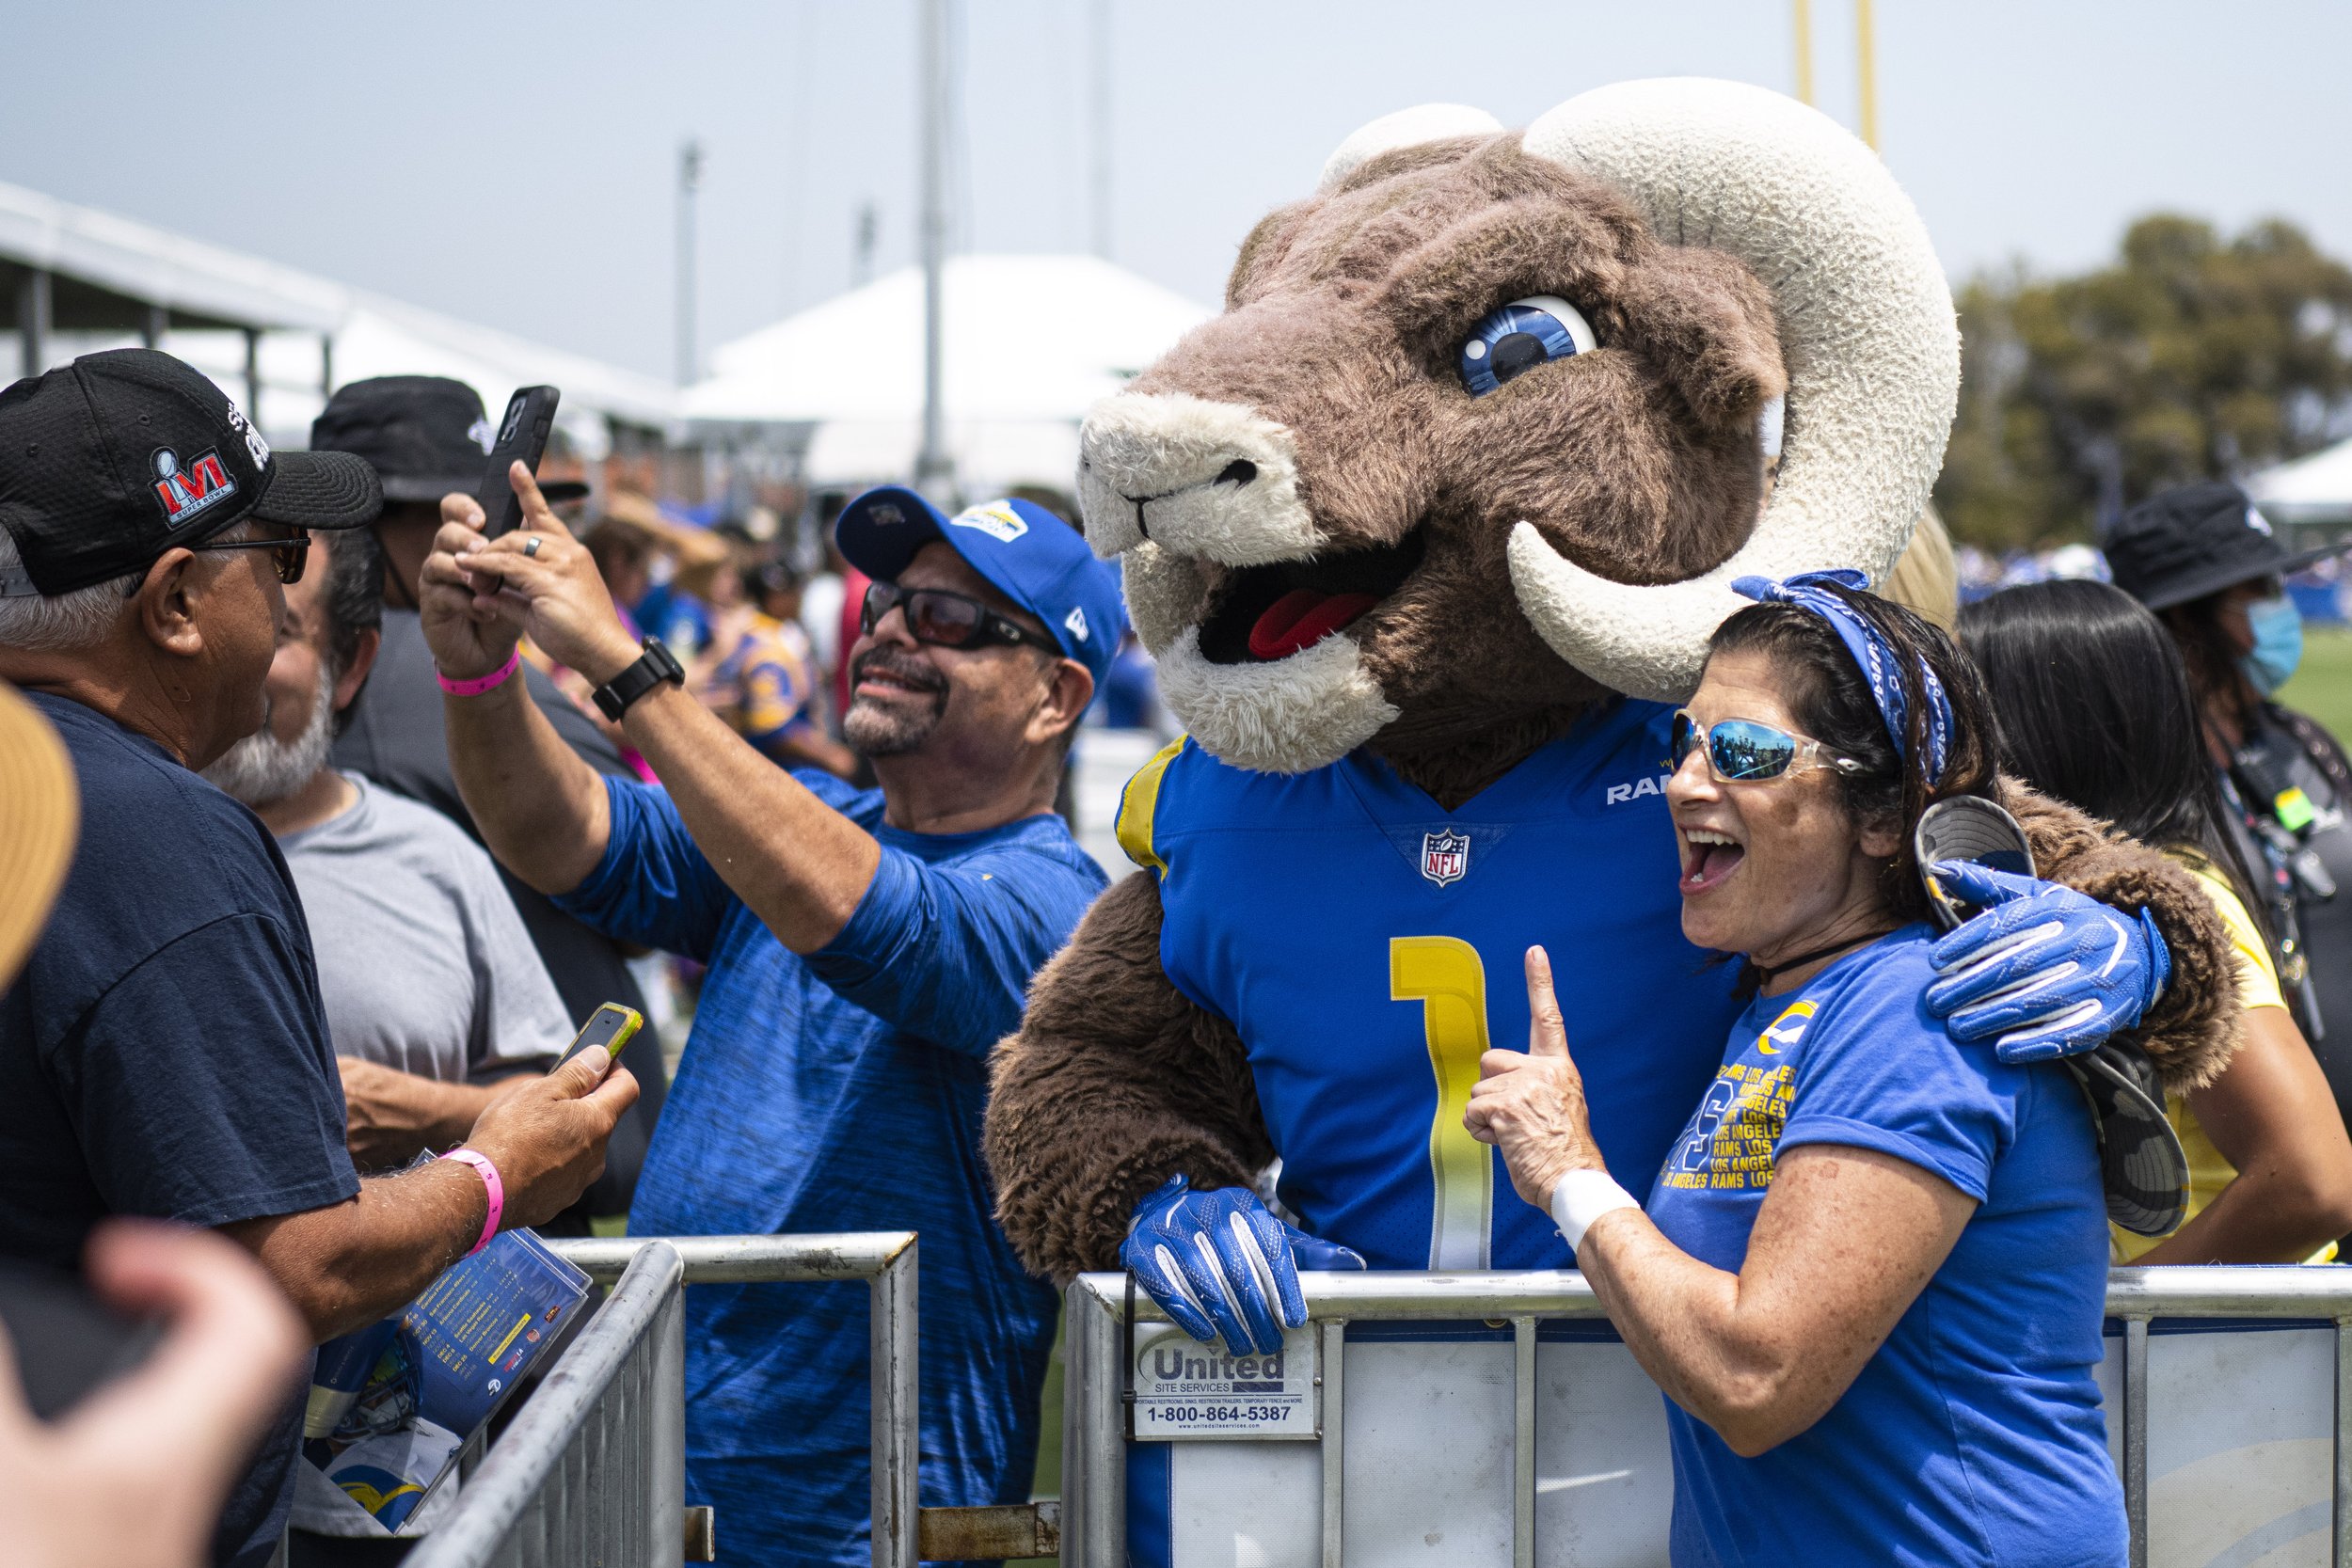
(481, 1161)
(490, 682)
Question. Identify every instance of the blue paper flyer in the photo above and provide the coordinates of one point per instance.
(392, 1403)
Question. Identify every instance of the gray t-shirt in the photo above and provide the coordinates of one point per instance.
(424, 963)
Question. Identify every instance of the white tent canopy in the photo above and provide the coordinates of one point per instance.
(383, 337)
(1030, 343)
(118, 280)
(2317, 488)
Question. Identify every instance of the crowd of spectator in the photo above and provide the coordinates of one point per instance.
(374, 810)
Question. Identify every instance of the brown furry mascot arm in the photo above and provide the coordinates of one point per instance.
(1114, 1083)
(2193, 1027)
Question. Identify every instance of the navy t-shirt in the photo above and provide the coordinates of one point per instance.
(165, 1050)
(1975, 1435)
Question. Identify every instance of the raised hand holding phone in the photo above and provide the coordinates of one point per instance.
(522, 437)
(539, 580)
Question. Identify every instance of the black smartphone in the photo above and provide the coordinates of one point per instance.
(67, 1341)
(610, 1026)
(522, 436)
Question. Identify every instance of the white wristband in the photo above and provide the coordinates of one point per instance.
(1581, 1197)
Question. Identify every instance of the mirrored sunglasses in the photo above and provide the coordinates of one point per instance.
(1744, 751)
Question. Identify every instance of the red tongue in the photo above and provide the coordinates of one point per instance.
(1302, 618)
(1717, 860)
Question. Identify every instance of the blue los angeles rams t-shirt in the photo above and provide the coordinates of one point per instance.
(1975, 1435)
(1367, 944)
(843, 1090)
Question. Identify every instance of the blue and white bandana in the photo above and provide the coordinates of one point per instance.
(1871, 652)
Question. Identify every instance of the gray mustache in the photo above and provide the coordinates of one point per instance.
(914, 672)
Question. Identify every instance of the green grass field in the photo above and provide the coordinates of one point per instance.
(2323, 685)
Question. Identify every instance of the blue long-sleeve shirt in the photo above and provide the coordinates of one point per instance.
(843, 1090)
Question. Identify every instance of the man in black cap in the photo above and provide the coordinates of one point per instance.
(425, 437)
(165, 1050)
(2206, 560)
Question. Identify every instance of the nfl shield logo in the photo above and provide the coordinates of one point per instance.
(1444, 857)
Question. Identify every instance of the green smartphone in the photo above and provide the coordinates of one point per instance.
(610, 1026)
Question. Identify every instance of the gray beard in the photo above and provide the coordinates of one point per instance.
(261, 770)
(872, 733)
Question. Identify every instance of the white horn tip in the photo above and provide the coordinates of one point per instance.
(1424, 122)
(1647, 641)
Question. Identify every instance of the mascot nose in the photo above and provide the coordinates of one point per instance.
(1202, 477)
(1239, 471)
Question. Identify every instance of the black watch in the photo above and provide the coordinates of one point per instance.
(656, 665)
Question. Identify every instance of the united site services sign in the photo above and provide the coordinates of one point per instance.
(1187, 1390)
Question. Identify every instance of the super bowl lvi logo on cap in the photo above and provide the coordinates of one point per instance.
(997, 520)
(187, 494)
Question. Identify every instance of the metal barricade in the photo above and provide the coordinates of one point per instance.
(1094, 1452)
(591, 1472)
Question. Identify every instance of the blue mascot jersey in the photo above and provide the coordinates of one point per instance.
(1368, 946)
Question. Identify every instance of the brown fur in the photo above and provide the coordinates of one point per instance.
(1114, 1083)
(2194, 1028)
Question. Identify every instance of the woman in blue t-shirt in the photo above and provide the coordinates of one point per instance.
(1869, 1276)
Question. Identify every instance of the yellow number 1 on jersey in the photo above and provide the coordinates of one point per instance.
(1445, 976)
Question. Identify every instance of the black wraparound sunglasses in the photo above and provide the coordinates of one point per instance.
(944, 620)
(287, 555)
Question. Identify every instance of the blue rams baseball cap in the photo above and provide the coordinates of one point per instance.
(1030, 556)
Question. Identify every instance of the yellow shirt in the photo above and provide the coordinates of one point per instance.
(2209, 1171)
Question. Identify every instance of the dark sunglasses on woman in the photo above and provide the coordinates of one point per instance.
(1744, 751)
(944, 620)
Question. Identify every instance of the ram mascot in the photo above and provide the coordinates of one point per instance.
(1427, 532)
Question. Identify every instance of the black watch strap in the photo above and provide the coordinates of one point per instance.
(654, 666)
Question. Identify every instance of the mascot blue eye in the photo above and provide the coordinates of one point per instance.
(1521, 336)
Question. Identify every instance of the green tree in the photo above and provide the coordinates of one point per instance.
(2192, 356)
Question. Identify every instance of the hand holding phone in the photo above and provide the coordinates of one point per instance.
(522, 437)
(610, 1026)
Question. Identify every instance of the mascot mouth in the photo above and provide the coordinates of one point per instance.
(1269, 613)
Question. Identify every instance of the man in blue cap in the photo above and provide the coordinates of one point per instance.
(866, 949)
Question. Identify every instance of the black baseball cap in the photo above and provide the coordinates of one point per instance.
(2198, 539)
(110, 461)
(425, 435)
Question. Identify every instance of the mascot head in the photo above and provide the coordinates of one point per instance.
(1487, 425)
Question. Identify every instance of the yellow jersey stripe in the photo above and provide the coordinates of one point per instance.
(1137, 803)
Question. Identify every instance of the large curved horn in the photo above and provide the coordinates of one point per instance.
(1866, 333)
(1405, 128)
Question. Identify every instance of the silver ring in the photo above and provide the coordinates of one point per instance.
(531, 547)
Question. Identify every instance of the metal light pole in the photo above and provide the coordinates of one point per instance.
(1804, 52)
(1867, 67)
(1101, 150)
(1866, 63)
(689, 180)
(934, 470)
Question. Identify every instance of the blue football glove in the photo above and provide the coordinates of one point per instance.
(1217, 1263)
(2043, 970)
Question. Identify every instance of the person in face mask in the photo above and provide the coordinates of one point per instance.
(2206, 562)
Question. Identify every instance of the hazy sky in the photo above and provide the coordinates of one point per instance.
(515, 164)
